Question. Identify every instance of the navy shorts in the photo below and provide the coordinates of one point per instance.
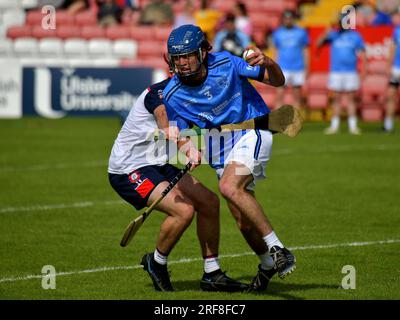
(137, 186)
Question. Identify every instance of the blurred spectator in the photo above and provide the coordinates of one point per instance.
(109, 13)
(393, 96)
(242, 22)
(40, 3)
(365, 11)
(231, 39)
(384, 11)
(291, 43)
(207, 19)
(187, 16)
(344, 80)
(74, 6)
(157, 12)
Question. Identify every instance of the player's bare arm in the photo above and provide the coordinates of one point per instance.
(186, 146)
(273, 73)
(170, 132)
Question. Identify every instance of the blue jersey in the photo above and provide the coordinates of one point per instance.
(290, 43)
(225, 97)
(344, 48)
(396, 39)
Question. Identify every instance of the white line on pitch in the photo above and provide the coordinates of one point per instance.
(278, 152)
(188, 260)
(43, 207)
(55, 166)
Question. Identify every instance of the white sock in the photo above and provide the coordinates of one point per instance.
(335, 122)
(272, 240)
(267, 263)
(388, 123)
(211, 264)
(352, 122)
(160, 258)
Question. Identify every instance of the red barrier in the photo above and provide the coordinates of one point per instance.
(377, 42)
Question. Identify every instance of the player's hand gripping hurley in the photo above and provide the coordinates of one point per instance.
(134, 226)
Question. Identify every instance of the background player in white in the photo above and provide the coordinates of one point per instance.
(209, 90)
(139, 172)
(291, 43)
(393, 91)
(344, 81)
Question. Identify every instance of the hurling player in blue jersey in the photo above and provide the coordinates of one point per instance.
(209, 90)
(393, 95)
(344, 81)
(291, 43)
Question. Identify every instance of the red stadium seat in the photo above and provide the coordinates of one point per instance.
(377, 67)
(142, 33)
(19, 31)
(34, 18)
(91, 32)
(162, 33)
(375, 86)
(371, 114)
(39, 33)
(273, 7)
(118, 32)
(150, 62)
(151, 48)
(317, 100)
(63, 17)
(263, 23)
(290, 5)
(259, 37)
(65, 32)
(86, 18)
(316, 91)
(270, 99)
(317, 82)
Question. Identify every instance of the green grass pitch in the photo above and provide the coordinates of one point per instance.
(334, 199)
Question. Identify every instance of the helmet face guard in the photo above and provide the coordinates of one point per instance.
(191, 68)
(186, 43)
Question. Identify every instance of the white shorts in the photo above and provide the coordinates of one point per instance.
(252, 150)
(294, 78)
(343, 81)
(395, 78)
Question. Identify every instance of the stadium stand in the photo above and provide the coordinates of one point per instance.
(79, 40)
(316, 91)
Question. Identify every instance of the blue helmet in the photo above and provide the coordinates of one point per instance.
(185, 40)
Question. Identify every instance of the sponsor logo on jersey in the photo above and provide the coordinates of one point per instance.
(204, 116)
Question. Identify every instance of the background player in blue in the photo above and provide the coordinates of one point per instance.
(291, 43)
(209, 90)
(394, 71)
(344, 81)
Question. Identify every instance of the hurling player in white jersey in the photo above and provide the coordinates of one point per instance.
(138, 171)
(210, 90)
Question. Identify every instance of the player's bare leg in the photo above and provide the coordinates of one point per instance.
(233, 185)
(352, 113)
(266, 268)
(180, 212)
(392, 101)
(335, 119)
(206, 204)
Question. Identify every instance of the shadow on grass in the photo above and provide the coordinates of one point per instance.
(276, 288)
